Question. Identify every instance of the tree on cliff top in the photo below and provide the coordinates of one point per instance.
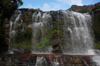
(7, 7)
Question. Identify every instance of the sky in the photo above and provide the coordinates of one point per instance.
(47, 5)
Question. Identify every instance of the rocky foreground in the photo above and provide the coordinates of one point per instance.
(46, 60)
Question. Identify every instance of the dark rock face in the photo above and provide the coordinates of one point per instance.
(27, 51)
(6, 27)
(96, 24)
(82, 9)
(85, 8)
(56, 49)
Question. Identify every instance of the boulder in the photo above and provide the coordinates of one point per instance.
(56, 48)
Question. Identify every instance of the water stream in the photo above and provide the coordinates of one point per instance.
(77, 32)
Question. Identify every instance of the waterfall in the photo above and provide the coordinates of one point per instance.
(41, 61)
(57, 61)
(41, 22)
(96, 59)
(76, 29)
(77, 32)
(15, 22)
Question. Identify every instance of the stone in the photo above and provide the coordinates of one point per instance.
(27, 50)
(56, 49)
(17, 51)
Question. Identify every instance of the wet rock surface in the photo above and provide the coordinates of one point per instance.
(45, 60)
(56, 49)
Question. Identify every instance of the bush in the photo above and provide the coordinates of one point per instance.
(50, 35)
(32, 10)
(97, 45)
(45, 42)
(28, 34)
(84, 10)
(22, 39)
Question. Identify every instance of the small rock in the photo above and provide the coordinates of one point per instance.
(56, 49)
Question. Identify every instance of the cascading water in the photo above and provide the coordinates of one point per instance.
(77, 32)
(96, 59)
(41, 61)
(56, 61)
(14, 22)
(41, 21)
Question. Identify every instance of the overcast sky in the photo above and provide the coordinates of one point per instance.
(47, 5)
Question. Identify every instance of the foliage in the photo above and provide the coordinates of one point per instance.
(96, 26)
(84, 10)
(12, 65)
(97, 45)
(19, 36)
(24, 44)
(28, 34)
(22, 39)
(20, 1)
(8, 6)
(98, 7)
(51, 34)
(45, 42)
(32, 10)
(72, 8)
(56, 31)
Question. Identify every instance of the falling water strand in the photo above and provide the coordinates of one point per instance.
(77, 32)
(41, 61)
(13, 27)
(40, 25)
(96, 59)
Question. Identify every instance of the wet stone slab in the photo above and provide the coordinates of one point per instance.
(45, 60)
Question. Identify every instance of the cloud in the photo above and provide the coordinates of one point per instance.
(61, 4)
(72, 2)
(47, 7)
(30, 6)
(52, 6)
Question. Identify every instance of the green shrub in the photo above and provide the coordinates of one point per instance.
(19, 37)
(50, 35)
(72, 8)
(97, 45)
(28, 34)
(96, 26)
(22, 38)
(32, 10)
(84, 10)
(98, 7)
(45, 42)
